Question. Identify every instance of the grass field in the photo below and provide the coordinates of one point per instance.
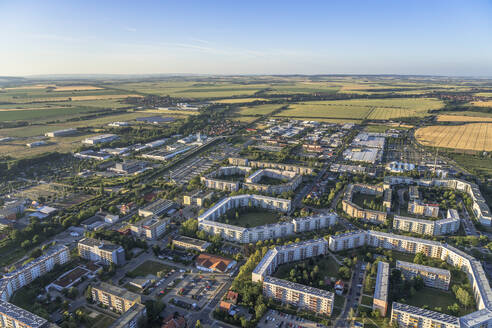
(149, 267)
(375, 109)
(239, 100)
(473, 136)
(484, 94)
(258, 110)
(253, 217)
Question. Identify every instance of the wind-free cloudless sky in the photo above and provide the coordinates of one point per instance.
(246, 37)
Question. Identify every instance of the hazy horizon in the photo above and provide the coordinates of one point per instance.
(438, 38)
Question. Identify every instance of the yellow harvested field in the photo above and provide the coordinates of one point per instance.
(462, 118)
(76, 88)
(484, 94)
(238, 100)
(482, 103)
(30, 87)
(473, 136)
(80, 98)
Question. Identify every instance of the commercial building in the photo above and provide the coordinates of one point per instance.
(151, 228)
(100, 139)
(479, 207)
(369, 139)
(115, 298)
(380, 300)
(157, 208)
(101, 251)
(213, 263)
(426, 227)
(129, 167)
(365, 155)
(197, 198)
(190, 243)
(12, 316)
(313, 299)
(357, 211)
(433, 277)
(60, 133)
(35, 144)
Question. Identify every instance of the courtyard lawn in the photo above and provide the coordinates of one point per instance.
(327, 267)
(149, 267)
(366, 300)
(271, 181)
(251, 218)
(433, 298)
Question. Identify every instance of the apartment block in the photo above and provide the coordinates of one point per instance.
(301, 296)
(115, 298)
(433, 277)
(303, 170)
(190, 243)
(357, 211)
(130, 318)
(12, 316)
(418, 208)
(411, 316)
(150, 229)
(380, 300)
(101, 251)
(197, 198)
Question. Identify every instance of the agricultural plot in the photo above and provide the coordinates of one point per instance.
(258, 110)
(194, 89)
(473, 136)
(484, 94)
(303, 87)
(482, 103)
(485, 117)
(372, 109)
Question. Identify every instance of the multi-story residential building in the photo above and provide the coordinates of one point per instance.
(101, 251)
(12, 316)
(303, 170)
(217, 179)
(426, 227)
(268, 231)
(348, 240)
(197, 198)
(151, 228)
(130, 318)
(157, 208)
(288, 253)
(12, 209)
(478, 279)
(190, 243)
(313, 299)
(292, 181)
(411, 316)
(432, 277)
(413, 193)
(418, 208)
(380, 300)
(358, 212)
(387, 199)
(304, 297)
(480, 208)
(25, 274)
(115, 298)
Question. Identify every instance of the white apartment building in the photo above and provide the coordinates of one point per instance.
(432, 277)
(427, 227)
(101, 251)
(380, 300)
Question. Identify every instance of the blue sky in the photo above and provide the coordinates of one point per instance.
(246, 37)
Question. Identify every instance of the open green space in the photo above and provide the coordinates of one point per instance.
(271, 181)
(366, 300)
(257, 110)
(373, 202)
(435, 298)
(149, 267)
(250, 217)
(312, 272)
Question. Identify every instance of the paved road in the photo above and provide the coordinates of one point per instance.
(353, 295)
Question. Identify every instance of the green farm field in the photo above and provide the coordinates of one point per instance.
(258, 110)
(373, 109)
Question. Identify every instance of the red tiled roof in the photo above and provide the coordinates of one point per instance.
(174, 322)
(213, 262)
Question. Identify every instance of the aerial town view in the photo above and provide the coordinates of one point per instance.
(209, 164)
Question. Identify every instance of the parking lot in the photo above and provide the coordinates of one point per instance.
(275, 319)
